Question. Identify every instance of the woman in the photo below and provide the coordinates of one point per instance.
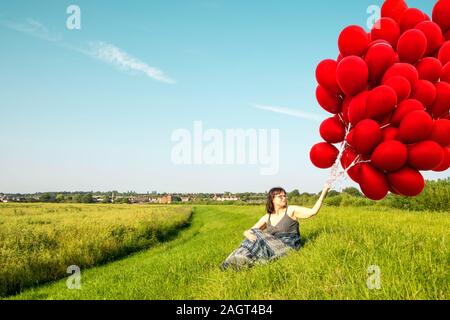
(275, 234)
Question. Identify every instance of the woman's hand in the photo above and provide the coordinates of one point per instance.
(326, 188)
(250, 236)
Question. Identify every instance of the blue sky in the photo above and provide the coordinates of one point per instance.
(73, 118)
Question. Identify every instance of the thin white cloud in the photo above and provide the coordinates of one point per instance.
(290, 112)
(115, 56)
(99, 50)
(33, 28)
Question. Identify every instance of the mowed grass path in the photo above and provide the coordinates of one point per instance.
(411, 249)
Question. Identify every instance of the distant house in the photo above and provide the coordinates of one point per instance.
(8, 198)
(97, 198)
(140, 199)
(225, 198)
(185, 199)
(165, 199)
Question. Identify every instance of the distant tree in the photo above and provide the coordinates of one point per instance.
(106, 199)
(87, 198)
(47, 197)
(176, 199)
(78, 198)
(306, 194)
(294, 193)
(333, 193)
(59, 198)
(122, 200)
(352, 191)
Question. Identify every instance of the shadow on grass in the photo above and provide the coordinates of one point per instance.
(309, 238)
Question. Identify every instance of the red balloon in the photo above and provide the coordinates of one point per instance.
(445, 163)
(397, 59)
(401, 86)
(323, 155)
(366, 136)
(348, 156)
(404, 70)
(411, 18)
(379, 41)
(425, 92)
(389, 133)
(441, 132)
(429, 68)
(389, 155)
(373, 182)
(425, 155)
(357, 108)
(379, 58)
(353, 41)
(380, 101)
(434, 36)
(386, 29)
(383, 120)
(441, 14)
(444, 53)
(404, 108)
(392, 190)
(412, 46)
(445, 75)
(349, 137)
(415, 126)
(326, 75)
(406, 181)
(441, 104)
(394, 9)
(332, 130)
(329, 101)
(352, 75)
(344, 112)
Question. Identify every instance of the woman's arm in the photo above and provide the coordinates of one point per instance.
(261, 224)
(305, 213)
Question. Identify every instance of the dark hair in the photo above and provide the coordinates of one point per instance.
(272, 193)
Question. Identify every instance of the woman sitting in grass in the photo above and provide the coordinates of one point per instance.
(275, 234)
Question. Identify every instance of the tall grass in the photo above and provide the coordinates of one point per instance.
(411, 249)
(39, 241)
(435, 197)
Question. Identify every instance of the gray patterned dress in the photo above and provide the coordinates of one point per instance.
(272, 243)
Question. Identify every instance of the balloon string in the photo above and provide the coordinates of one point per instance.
(336, 174)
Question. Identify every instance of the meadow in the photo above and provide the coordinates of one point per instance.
(38, 242)
(411, 250)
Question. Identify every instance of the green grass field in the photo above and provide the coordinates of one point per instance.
(411, 249)
(38, 242)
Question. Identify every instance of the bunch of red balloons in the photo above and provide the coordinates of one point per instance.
(389, 91)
